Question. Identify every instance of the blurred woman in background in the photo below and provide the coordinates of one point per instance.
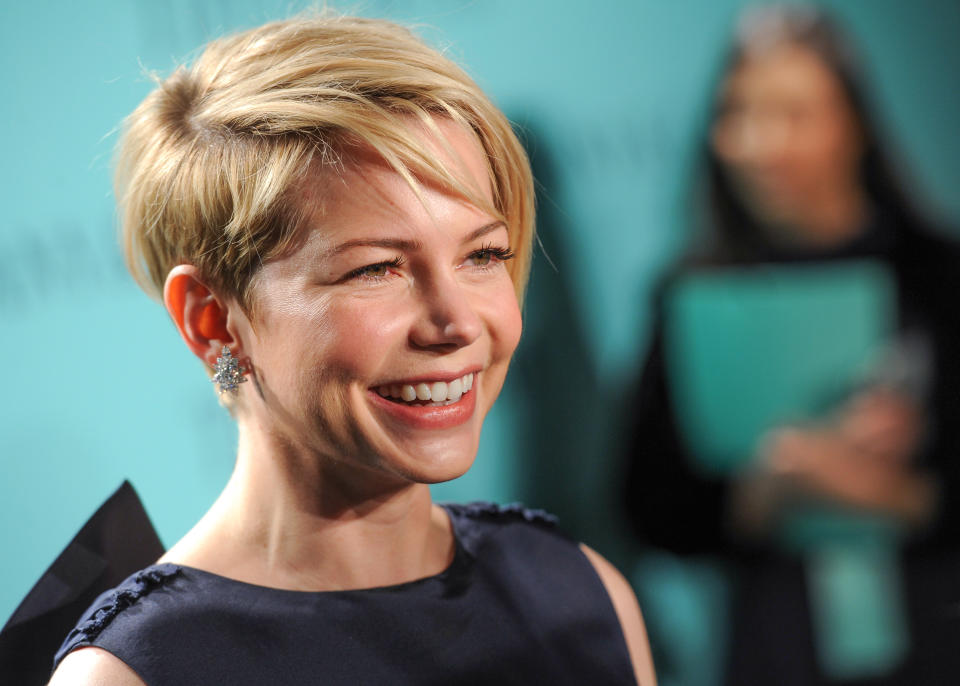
(797, 175)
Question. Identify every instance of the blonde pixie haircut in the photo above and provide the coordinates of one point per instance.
(209, 162)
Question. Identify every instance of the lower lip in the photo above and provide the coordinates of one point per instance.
(429, 416)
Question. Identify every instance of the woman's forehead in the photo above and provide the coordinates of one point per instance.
(786, 67)
(366, 186)
(369, 201)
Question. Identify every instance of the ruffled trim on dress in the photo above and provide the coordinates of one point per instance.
(115, 602)
(474, 522)
(515, 511)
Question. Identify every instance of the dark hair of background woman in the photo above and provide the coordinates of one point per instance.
(736, 234)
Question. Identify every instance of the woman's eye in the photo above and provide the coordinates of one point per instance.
(489, 255)
(374, 272)
(482, 258)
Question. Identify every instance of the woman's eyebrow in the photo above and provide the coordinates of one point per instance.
(403, 244)
(391, 243)
(484, 230)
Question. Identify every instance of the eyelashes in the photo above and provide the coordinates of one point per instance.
(486, 257)
(375, 271)
(488, 253)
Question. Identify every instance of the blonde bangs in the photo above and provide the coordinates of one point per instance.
(208, 162)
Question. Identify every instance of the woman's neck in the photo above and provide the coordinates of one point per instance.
(297, 521)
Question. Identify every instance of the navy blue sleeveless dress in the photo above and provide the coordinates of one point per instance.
(519, 604)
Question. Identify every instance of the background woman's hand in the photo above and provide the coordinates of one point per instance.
(883, 423)
(862, 459)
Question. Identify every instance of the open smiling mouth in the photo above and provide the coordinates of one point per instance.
(433, 394)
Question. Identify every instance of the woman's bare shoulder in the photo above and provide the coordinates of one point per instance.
(628, 612)
(94, 667)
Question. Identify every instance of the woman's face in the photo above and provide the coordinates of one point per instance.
(381, 343)
(787, 135)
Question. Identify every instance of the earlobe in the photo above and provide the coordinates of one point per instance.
(199, 315)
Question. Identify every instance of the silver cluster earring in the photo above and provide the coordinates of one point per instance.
(228, 374)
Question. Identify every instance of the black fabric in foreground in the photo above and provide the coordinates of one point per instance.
(116, 541)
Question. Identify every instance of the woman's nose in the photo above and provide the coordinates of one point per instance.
(765, 139)
(449, 319)
(753, 139)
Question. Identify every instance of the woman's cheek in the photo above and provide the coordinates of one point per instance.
(502, 314)
(362, 334)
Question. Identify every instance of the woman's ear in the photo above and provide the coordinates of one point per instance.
(200, 316)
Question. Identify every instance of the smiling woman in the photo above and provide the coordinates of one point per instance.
(339, 224)
(396, 285)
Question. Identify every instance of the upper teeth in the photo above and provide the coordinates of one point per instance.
(436, 391)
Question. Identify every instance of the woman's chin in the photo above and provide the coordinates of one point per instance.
(426, 454)
(431, 467)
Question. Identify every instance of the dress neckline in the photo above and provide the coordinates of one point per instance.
(459, 561)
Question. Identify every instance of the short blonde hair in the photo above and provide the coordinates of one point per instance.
(209, 161)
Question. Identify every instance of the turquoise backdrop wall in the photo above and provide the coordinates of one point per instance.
(610, 97)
